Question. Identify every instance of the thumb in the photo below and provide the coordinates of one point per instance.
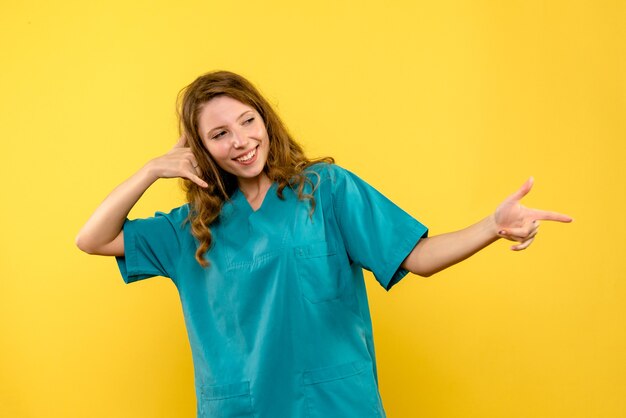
(182, 142)
(523, 191)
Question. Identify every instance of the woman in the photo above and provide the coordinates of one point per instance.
(268, 254)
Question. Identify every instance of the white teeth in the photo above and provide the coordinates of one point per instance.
(247, 157)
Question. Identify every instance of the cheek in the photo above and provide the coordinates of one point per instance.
(258, 130)
(216, 149)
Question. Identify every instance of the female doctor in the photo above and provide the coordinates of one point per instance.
(267, 256)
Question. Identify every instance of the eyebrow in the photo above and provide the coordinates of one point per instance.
(223, 126)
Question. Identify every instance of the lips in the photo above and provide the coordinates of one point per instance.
(247, 157)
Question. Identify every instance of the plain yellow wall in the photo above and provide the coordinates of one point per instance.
(446, 107)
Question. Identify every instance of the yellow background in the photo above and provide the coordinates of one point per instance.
(446, 107)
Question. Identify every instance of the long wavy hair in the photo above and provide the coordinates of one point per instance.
(286, 163)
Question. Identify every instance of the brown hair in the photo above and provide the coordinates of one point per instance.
(286, 162)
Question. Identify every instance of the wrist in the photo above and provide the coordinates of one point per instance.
(148, 173)
(492, 226)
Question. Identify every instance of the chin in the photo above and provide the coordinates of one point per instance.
(248, 174)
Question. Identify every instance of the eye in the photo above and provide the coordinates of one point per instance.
(219, 135)
(248, 121)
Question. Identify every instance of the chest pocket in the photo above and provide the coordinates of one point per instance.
(320, 269)
(226, 401)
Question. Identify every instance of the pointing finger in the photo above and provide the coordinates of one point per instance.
(550, 216)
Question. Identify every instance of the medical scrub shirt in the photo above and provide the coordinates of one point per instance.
(279, 324)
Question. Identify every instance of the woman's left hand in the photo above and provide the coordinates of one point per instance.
(518, 223)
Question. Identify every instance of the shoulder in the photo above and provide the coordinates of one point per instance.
(327, 173)
(337, 184)
(334, 177)
(162, 227)
(176, 216)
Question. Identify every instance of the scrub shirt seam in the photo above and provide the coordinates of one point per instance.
(335, 209)
(176, 259)
(130, 252)
(133, 270)
(394, 267)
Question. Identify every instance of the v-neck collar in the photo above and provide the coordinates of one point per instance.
(239, 199)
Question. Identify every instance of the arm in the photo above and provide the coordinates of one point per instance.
(103, 233)
(511, 221)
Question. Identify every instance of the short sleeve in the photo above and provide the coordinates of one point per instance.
(151, 246)
(377, 234)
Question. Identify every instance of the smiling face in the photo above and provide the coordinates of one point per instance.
(235, 136)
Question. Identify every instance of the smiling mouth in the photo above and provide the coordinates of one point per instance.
(248, 156)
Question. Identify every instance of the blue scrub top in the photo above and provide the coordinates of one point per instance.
(279, 323)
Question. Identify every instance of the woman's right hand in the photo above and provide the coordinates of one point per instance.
(103, 232)
(178, 162)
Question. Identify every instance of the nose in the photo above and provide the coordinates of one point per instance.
(240, 140)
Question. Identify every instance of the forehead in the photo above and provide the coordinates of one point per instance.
(221, 110)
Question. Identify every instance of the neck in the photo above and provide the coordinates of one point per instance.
(254, 189)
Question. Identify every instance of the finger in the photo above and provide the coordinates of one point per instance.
(532, 235)
(518, 238)
(523, 191)
(523, 245)
(197, 180)
(192, 160)
(193, 168)
(550, 216)
(182, 142)
(520, 234)
(194, 165)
